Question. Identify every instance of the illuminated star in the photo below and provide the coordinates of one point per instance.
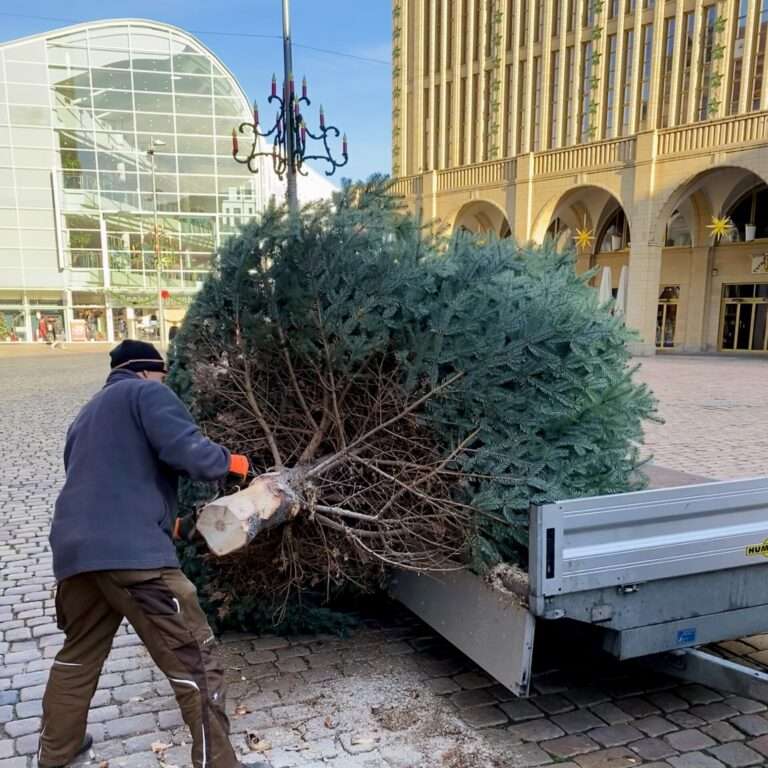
(720, 226)
(583, 238)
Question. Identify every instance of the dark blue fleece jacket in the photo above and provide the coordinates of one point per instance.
(123, 456)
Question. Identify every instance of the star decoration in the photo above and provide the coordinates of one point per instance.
(583, 238)
(720, 226)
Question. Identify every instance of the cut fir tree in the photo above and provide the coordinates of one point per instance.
(403, 399)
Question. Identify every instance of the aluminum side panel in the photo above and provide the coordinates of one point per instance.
(490, 627)
(631, 538)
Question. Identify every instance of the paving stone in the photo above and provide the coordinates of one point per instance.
(637, 707)
(653, 749)
(536, 730)
(8, 697)
(101, 714)
(471, 681)
(14, 762)
(552, 704)
(685, 719)
(35, 709)
(130, 726)
(615, 735)
(752, 725)
(617, 757)
(443, 686)
(520, 710)
(611, 714)
(483, 717)
(570, 746)
(28, 745)
(6, 748)
(586, 697)
(478, 698)
(577, 721)
(654, 726)
(689, 740)
(695, 760)
(713, 712)
(16, 728)
(668, 702)
(745, 706)
(723, 732)
(6, 714)
(698, 694)
(736, 755)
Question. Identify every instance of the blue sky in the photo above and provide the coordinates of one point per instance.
(355, 92)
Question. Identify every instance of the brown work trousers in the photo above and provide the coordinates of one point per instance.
(162, 606)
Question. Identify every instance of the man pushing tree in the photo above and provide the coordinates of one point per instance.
(114, 558)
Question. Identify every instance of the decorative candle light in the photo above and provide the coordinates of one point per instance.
(304, 88)
(344, 145)
(255, 113)
(234, 141)
(322, 117)
(274, 85)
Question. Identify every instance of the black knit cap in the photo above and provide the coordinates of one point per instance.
(136, 356)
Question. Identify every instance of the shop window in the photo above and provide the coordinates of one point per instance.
(678, 232)
(749, 215)
(666, 316)
(615, 233)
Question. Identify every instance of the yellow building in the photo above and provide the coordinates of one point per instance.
(639, 123)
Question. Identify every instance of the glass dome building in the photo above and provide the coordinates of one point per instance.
(115, 158)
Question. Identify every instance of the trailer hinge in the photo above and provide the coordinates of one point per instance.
(628, 589)
(554, 613)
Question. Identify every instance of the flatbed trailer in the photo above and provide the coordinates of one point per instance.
(657, 574)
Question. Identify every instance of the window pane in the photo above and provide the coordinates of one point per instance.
(111, 78)
(152, 81)
(26, 72)
(21, 115)
(194, 105)
(192, 84)
(113, 100)
(153, 123)
(144, 41)
(197, 125)
(153, 102)
(191, 64)
(114, 59)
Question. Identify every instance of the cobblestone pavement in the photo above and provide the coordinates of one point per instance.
(392, 695)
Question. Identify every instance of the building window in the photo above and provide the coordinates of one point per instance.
(556, 19)
(487, 137)
(589, 13)
(509, 147)
(689, 23)
(438, 140)
(538, 21)
(522, 107)
(586, 77)
(427, 37)
(537, 103)
(646, 60)
(464, 30)
(554, 93)
(613, 8)
(648, 4)
(666, 71)
(438, 37)
(449, 47)
(705, 107)
(737, 65)
(615, 233)
(762, 40)
(750, 211)
(449, 123)
(463, 122)
(610, 88)
(488, 29)
(511, 19)
(427, 132)
(568, 90)
(476, 36)
(626, 97)
(630, 6)
(475, 114)
(571, 17)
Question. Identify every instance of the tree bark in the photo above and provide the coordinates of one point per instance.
(231, 522)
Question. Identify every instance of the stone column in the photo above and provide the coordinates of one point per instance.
(697, 301)
(643, 295)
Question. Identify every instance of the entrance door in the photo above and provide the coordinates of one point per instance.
(666, 316)
(744, 318)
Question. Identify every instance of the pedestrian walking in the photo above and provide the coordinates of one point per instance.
(114, 558)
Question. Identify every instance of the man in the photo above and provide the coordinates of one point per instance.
(114, 558)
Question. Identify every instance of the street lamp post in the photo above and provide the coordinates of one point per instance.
(153, 144)
(289, 133)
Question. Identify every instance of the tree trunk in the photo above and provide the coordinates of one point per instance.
(229, 523)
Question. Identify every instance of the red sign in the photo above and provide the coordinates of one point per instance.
(165, 295)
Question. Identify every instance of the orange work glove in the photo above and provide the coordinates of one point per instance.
(238, 465)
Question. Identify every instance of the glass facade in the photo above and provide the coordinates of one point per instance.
(88, 215)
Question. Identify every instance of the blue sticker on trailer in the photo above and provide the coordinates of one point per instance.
(686, 636)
